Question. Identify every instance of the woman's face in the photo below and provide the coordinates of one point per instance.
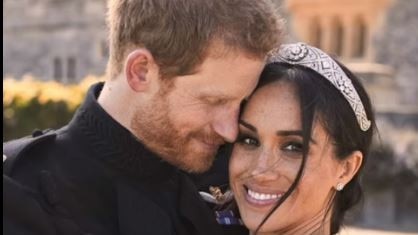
(267, 156)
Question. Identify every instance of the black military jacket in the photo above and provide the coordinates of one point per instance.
(93, 177)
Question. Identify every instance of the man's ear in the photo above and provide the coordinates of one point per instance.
(139, 68)
(348, 168)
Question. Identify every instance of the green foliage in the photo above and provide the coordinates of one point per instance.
(31, 104)
(20, 120)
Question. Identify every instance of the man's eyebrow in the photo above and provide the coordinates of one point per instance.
(247, 125)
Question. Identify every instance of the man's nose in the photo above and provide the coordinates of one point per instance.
(225, 124)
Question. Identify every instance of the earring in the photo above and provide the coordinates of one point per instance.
(340, 186)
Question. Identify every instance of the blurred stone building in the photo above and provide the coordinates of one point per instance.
(376, 39)
(65, 40)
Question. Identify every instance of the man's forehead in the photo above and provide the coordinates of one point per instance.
(222, 92)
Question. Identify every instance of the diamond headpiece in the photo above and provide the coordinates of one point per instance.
(319, 61)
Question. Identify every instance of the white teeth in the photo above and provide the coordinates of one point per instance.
(263, 196)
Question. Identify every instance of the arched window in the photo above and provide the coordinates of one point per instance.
(315, 34)
(104, 49)
(58, 70)
(360, 37)
(338, 38)
(71, 69)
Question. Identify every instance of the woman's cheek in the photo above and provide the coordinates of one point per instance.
(241, 160)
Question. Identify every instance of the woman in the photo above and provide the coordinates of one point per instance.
(304, 137)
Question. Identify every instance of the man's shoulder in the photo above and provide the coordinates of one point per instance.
(16, 150)
(26, 191)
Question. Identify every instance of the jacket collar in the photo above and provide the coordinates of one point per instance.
(118, 148)
(114, 144)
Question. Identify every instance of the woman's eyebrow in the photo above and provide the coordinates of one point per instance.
(279, 133)
(293, 132)
(290, 132)
(247, 125)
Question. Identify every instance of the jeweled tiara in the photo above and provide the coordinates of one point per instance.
(319, 61)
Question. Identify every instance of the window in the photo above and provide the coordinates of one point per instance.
(57, 69)
(104, 49)
(360, 34)
(338, 40)
(315, 35)
(71, 69)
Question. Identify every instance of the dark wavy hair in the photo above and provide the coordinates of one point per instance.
(321, 101)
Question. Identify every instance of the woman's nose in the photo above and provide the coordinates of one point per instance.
(266, 167)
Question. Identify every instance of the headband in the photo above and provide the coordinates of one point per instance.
(319, 61)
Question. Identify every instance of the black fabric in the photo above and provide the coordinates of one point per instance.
(16, 202)
(13, 149)
(94, 177)
(218, 174)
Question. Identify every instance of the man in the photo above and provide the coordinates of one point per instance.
(177, 74)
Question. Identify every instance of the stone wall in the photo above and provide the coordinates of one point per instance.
(47, 37)
(397, 46)
(390, 75)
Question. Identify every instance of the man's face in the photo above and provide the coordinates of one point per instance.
(187, 122)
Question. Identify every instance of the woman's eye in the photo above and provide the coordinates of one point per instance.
(293, 147)
(248, 141)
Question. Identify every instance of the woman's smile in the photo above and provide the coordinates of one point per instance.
(261, 198)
